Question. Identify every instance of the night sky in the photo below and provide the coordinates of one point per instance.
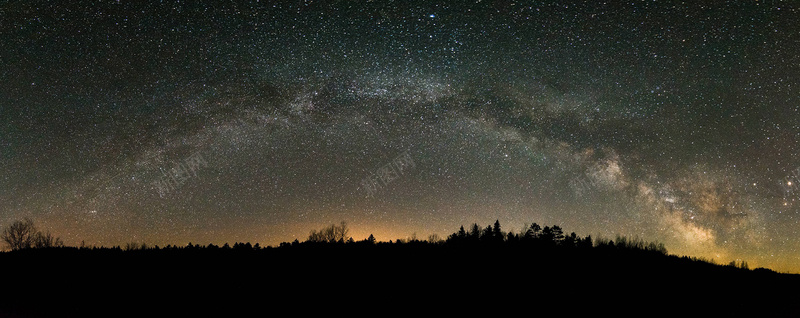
(257, 121)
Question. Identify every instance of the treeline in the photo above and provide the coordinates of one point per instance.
(492, 235)
(23, 235)
(338, 235)
(548, 236)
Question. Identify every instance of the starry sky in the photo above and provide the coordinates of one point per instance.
(212, 122)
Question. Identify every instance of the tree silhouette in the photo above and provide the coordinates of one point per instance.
(474, 232)
(47, 240)
(511, 237)
(497, 233)
(547, 234)
(570, 240)
(461, 233)
(558, 233)
(132, 246)
(331, 234)
(23, 234)
(586, 242)
(534, 231)
(487, 234)
(20, 234)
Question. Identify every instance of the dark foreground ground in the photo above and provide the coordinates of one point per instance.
(381, 281)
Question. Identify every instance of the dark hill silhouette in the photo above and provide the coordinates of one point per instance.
(542, 267)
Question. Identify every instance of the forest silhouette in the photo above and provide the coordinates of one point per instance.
(473, 265)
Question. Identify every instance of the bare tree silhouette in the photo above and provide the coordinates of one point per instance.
(46, 240)
(332, 233)
(20, 234)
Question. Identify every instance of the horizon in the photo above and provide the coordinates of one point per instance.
(407, 239)
(259, 121)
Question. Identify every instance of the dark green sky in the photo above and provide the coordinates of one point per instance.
(669, 121)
